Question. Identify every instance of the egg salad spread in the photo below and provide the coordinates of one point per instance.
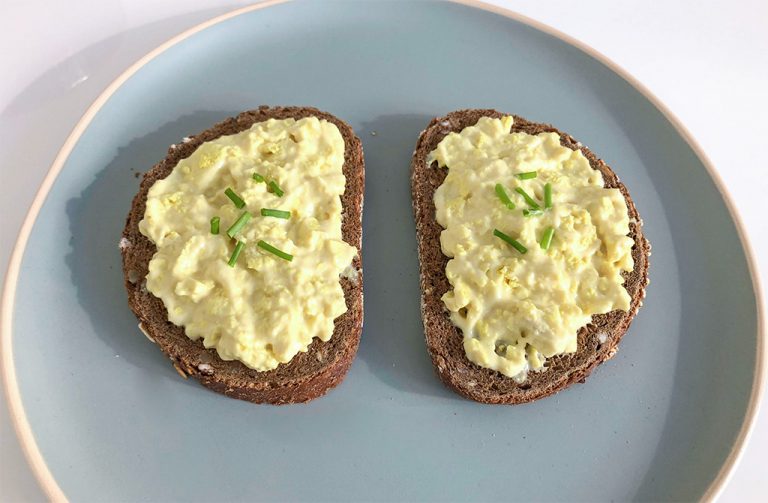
(249, 242)
(536, 244)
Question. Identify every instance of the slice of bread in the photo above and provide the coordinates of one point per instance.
(309, 374)
(597, 342)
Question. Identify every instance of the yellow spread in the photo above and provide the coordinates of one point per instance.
(518, 309)
(264, 310)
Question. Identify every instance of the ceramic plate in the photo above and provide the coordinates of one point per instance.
(103, 415)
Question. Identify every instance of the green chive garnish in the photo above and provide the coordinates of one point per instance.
(532, 213)
(257, 177)
(215, 225)
(517, 245)
(236, 253)
(546, 238)
(275, 188)
(548, 195)
(526, 175)
(271, 249)
(239, 203)
(239, 224)
(266, 212)
(504, 197)
(528, 199)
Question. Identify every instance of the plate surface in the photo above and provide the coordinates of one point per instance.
(113, 420)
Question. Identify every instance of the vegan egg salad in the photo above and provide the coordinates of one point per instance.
(536, 244)
(249, 243)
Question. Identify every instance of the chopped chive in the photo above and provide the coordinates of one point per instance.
(527, 175)
(546, 238)
(548, 195)
(271, 249)
(528, 199)
(504, 197)
(215, 225)
(239, 203)
(517, 245)
(257, 177)
(275, 188)
(266, 212)
(236, 253)
(239, 224)
(532, 213)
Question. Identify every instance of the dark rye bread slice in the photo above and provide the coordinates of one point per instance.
(308, 375)
(444, 339)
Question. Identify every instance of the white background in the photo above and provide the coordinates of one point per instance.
(706, 59)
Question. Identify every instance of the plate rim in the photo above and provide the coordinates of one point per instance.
(16, 410)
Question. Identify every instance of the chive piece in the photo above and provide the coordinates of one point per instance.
(239, 203)
(215, 225)
(546, 238)
(528, 199)
(271, 249)
(236, 253)
(257, 177)
(527, 175)
(275, 188)
(504, 197)
(532, 213)
(548, 195)
(239, 224)
(266, 212)
(517, 245)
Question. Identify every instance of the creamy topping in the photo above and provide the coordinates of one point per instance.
(264, 310)
(518, 309)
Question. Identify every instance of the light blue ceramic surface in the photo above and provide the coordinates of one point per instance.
(115, 422)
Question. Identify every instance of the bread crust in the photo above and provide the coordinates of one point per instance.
(445, 341)
(309, 374)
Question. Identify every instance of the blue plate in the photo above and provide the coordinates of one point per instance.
(104, 416)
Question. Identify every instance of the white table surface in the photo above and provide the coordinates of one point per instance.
(706, 59)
